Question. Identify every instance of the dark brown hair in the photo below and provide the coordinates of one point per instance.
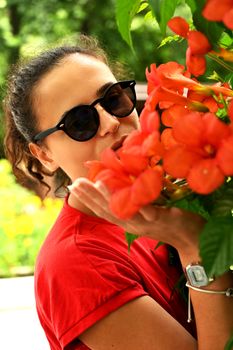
(21, 122)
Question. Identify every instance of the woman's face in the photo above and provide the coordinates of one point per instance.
(76, 81)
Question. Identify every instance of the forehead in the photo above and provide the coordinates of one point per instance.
(74, 80)
(78, 69)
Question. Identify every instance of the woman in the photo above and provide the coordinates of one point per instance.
(64, 108)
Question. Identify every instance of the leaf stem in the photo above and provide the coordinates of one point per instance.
(219, 61)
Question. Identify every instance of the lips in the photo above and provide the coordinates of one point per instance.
(116, 145)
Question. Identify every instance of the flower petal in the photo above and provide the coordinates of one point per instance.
(112, 180)
(179, 26)
(152, 78)
(167, 139)
(152, 146)
(172, 76)
(228, 19)
(230, 110)
(215, 129)
(149, 120)
(133, 161)
(215, 10)
(122, 205)
(177, 161)
(171, 114)
(225, 156)
(111, 161)
(205, 176)
(189, 129)
(198, 43)
(94, 167)
(196, 64)
(147, 187)
(227, 55)
(135, 138)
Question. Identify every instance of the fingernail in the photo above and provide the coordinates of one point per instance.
(70, 187)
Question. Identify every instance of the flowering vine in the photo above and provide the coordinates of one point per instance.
(183, 153)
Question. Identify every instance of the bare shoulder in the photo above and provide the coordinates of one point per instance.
(139, 324)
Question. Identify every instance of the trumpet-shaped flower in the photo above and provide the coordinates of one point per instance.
(202, 153)
(143, 190)
(196, 64)
(216, 10)
(132, 173)
(179, 26)
(173, 76)
(198, 45)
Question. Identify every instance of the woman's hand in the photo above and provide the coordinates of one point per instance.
(180, 229)
(174, 226)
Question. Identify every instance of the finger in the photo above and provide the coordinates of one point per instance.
(103, 189)
(149, 213)
(95, 197)
(88, 191)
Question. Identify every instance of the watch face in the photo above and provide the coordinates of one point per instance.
(197, 276)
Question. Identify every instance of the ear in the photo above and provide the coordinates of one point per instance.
(44, 156)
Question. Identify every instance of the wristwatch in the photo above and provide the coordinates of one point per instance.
(196, 275)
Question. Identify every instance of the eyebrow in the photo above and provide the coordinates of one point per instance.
(99, 93)
(103, 88)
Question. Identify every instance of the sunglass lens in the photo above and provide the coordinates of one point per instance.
(120, 100)
(82, 123)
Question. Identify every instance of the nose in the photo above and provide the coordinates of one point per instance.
(109, 124)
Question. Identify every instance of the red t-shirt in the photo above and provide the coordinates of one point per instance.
(84, 272)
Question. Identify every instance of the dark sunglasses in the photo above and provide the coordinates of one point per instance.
(81, 123)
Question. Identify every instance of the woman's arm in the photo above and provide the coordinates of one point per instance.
(141, 324)
(181, 229)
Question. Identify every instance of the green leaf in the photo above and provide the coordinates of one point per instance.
(229, 344)
(220, 202)
(229, 79)
(191, 203)
(169, 39)
(155, 6)
(192, 4)
(125, 11)
(130, 238)
(226, 41)
(216, 245)
(163, 10)
(167, 10)
(142, 7)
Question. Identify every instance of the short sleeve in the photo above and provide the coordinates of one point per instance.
(85, 279)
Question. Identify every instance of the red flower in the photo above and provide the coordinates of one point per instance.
(132, 173)
(152, 78)
(216, 10)
(203, 151)
(228, 19)
(179, 26)
(196, 64)
(167, 139)
(172, 76)
(230, 110)
(225, 156)
(144, 189)
(170, 115)
(149, 121)
(198, 45)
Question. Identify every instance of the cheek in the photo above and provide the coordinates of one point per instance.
(133, 120)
